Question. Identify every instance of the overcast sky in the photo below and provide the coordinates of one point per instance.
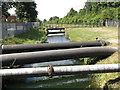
(49, 8)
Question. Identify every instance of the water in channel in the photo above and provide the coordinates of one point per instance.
(69, 81)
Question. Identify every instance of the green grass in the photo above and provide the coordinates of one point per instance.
(82, 35)
(36, 35)
(88, 34)
(103, 33)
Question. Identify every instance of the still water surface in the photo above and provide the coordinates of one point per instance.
(69, 81)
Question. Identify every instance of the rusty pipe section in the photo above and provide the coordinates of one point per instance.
(50, 46)
(54, 55)
(60, 70)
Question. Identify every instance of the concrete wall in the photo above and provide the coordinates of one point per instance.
(13, 29)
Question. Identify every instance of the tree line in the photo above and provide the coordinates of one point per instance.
(93, 12)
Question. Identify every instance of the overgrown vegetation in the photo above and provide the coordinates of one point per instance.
(92, 13)
(103, 33)
(36, 35)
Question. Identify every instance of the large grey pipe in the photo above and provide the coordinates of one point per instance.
(50, 46)
(60, 70)
(55, 55)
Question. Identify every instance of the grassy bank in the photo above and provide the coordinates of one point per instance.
(103, 33)
(36, 35)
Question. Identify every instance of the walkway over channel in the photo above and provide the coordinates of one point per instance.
(55, 30)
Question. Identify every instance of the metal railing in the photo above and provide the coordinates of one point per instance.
(60, 70)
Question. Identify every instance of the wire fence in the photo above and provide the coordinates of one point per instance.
(87, 24)
(13, 29)
(112, 23)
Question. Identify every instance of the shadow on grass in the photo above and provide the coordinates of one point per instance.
(112, 81)
(92, 60)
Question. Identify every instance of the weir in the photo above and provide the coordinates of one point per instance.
(55, 30)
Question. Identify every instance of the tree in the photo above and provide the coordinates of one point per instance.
(93, 12)
(106, 15)
(53, 18)
(26, 11)
(38, 20)
(88, 7)
(5, 7)
(44, 21)
(72, 12)
(82, 12)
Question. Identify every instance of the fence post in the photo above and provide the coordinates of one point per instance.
(16, 26)
(1, 27)
(23, 27)
(15, 31)
(4, 30)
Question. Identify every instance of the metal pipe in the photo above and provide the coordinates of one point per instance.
(55, 55)
(60, 70)
(50, 46)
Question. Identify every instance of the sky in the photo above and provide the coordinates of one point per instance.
(60, 8)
